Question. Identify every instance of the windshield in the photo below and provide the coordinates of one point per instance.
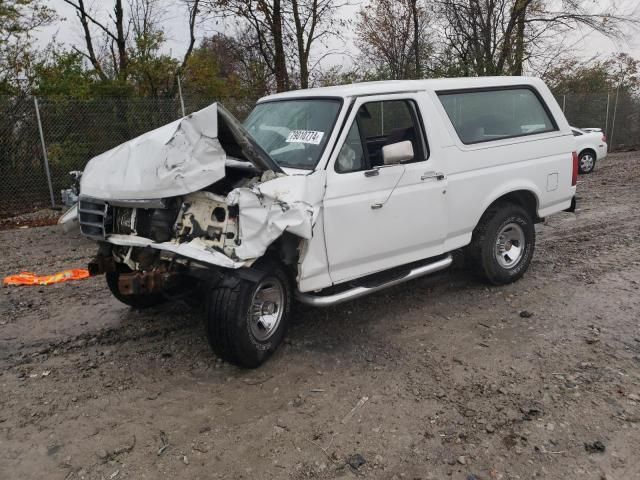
(293, 132)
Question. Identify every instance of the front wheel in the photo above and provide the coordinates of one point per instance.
(502, 245)
(586, 162)
(247, 320)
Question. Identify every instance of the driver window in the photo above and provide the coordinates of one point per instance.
(351, 156)
(378, 124)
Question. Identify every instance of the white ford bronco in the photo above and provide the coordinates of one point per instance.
(326, 195)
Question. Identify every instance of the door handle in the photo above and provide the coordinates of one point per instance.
(436, 175)
(376, 206)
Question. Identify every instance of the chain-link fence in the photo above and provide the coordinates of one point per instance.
(616, 113)
(71, 131)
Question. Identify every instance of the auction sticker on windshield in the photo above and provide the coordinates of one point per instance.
(305, 136)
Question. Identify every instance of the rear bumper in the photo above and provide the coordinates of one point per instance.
(602, 151)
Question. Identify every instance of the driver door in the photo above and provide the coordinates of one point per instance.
(380, 216)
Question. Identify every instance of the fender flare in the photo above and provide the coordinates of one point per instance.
(509, 188)
(590, 149)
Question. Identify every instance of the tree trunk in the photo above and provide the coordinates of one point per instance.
(519, 48)
(302, 58)
(279, 59)
(121, 41)
(416, 39)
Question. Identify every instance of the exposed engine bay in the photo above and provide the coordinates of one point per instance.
(201, 217)
(202, 220)
(206, 215)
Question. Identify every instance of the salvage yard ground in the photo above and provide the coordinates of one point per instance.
(442, 377)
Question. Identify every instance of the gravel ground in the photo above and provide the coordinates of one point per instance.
(440, 378)
(39, 218)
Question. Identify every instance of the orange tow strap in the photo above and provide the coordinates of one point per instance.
(28, 278)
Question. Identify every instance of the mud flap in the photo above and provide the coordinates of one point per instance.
(572, 207)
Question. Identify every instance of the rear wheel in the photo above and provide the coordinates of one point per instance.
(136, 300)
(586, 162)
(247, 320)
(503, 243)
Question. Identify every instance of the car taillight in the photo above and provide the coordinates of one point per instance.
(604, 138)
(574, 173)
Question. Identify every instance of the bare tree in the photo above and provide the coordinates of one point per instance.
(392, 36)
(146, 16)
(285, 32)
(313, 21)
(265, 21)
(416, 14)
(193, 10)
(497, 37)
(143, 19)
(227, 66)
(18, 20)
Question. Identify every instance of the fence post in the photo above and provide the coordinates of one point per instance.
(606, 118)
(564, 99)
(180, 93)
(613, 121)
(44, 153)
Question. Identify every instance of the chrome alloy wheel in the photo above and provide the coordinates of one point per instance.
(510, 245)
(586, 162)
(267, 306)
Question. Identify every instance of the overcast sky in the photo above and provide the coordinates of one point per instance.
(68, 31)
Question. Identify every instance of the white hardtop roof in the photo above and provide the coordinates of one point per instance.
(398, 86)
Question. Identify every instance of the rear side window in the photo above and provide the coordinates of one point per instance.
(485, 115)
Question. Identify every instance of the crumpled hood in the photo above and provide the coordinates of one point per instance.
(181, 157)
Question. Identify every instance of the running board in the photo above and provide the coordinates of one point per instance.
(357, 292)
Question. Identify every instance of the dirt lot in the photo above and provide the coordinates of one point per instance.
(462, 380)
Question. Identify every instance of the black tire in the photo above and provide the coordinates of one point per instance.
(585, 167)
(135, 301)
(229, 317)
(483, 250)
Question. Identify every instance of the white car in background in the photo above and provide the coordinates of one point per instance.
(592, 146)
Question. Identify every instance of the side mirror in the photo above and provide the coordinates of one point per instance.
(397, 153)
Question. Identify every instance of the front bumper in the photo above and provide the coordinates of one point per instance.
(195, 250)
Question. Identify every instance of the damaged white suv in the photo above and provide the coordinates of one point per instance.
(325, 195)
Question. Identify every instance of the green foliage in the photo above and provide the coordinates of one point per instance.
(221, 67)
(65, 73)
(151, 72)
(18, 20)
(595, 76)
(388, 34)
(337, 75)
(218, 68)
(153, 75)
(63, 156)
(62, 73)
(204, 76)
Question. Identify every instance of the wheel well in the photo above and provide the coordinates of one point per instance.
(595, 155)
(285, 249)
(525, 198)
